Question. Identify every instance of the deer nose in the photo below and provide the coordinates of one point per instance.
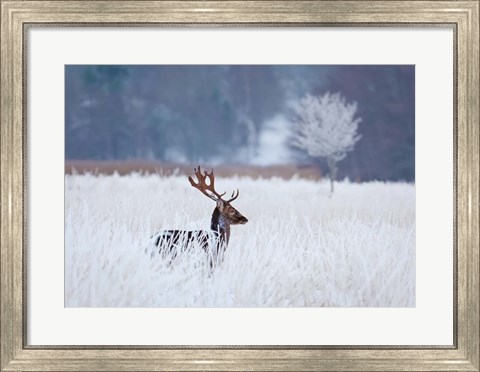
(244, 220)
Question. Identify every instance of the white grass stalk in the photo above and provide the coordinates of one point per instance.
(299, 248)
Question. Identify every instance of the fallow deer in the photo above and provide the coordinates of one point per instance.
(224, 215)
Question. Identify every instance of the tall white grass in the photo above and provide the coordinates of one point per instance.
(299, 248)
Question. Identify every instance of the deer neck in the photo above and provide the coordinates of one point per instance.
(221, 225)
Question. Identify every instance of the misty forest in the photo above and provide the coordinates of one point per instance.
(313, 166)
(237, 114)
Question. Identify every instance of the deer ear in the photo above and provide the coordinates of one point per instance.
(220, 205)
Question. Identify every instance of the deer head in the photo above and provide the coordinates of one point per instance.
(233, 216)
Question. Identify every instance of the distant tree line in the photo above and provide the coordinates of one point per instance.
(200, 113)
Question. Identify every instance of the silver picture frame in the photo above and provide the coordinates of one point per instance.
(18, 16)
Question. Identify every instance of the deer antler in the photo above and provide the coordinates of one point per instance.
(233, 197)
(202, 184)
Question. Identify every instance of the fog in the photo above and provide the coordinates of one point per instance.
(235, 114)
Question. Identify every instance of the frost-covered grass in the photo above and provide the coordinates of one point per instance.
(299, 248)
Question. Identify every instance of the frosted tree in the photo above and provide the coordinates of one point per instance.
(326, 127)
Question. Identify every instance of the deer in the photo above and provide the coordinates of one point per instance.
(213, 241)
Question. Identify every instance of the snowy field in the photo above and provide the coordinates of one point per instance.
(299, 248)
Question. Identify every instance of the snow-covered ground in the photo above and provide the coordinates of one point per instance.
(299, 248)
